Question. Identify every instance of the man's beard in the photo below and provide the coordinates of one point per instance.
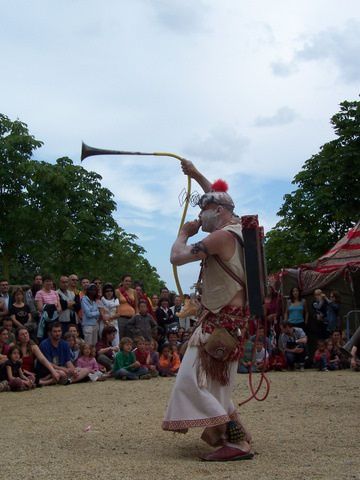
(209, 220)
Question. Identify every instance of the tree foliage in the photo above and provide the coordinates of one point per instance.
(326, 202)
(57, 217)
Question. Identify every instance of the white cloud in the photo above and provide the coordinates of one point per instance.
(337, 46)
(282, 116)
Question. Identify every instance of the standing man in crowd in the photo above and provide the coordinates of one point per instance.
(5, 299)
(68, 304)
(202, 393)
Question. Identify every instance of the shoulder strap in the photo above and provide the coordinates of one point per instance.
(230, 272)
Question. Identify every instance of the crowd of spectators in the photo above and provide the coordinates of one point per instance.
(89, 331)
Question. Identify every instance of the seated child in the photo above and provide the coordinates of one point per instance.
(8, 323)
(169, 361)
(152, 361)
(246, 362)
(322, 357)
(261, 357)
(12, 372)
(334, 361)
(74, 330)
(140, 351)
(87, 360)
(277, 360)
(73, 344)
(126, 367)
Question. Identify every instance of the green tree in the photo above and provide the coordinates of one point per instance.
(326, 202)
(59, 218)
(16, 148)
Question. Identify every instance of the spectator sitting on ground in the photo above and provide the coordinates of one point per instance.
(277, 360)
(292, 342)
(87, 360)
(260, 337)
(322, 356)
(73, 345)
(142, 353)
(74, 330)
(142, 324)
(126, 367)
(355, 352)
(12, 372)
(261, 357)
(152, 361)
(105, 350)
(169, 361)
(173, 339)
(4, 346)
(334, 359)
(8, 323)
(57, 352)
(31, 354)
(337, 344)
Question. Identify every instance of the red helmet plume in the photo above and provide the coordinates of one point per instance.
(219, 186)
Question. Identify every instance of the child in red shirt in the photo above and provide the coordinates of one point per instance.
(322, 357)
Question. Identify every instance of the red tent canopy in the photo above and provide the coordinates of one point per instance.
(344, 254)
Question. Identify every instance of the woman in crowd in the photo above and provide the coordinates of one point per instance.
(48, 305)
(19, 311)
(109, 309)
(4, 346)
(296, 312)
(30, 353)
(155, 302)
(105, 351)
(47, 296)
(128, 303)
(90, 315)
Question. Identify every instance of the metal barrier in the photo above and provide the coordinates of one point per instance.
(356, 322)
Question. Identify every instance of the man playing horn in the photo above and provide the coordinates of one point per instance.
(202, 393)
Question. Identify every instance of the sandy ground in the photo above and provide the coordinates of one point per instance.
(308, 428)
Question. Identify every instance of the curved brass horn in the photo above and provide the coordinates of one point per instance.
(87, 151)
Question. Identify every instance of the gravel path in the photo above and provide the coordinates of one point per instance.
(308, 429)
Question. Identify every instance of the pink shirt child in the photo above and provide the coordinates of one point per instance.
(87, 362)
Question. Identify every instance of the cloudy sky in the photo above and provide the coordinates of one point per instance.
(243, 88)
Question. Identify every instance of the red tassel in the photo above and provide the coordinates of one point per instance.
(219, 186)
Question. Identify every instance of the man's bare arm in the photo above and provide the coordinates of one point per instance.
(189, 169)
(219, 242)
